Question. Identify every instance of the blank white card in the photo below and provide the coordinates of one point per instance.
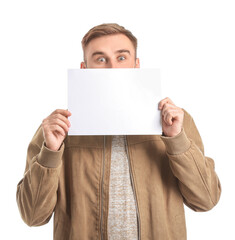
(114, 101)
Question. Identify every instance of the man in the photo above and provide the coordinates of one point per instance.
(116, 187)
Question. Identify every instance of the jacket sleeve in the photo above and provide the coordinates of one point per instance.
(37, 192)
(197, 180)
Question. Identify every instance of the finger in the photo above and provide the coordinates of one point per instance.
(61, 117)
(164, 101)
(64, 112)
(168, 119)
(60, 131)
(57, 129)
(167, 107)
(59, 122)
(170, 116)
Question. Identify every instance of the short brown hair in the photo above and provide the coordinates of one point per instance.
(107, 29)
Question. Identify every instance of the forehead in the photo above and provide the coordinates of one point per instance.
(109, 44)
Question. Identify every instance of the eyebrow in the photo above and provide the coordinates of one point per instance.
(118, 51)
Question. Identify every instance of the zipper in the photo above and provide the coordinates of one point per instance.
(133, 188)
(102, 183)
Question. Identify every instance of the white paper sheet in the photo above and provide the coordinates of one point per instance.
(114, 101)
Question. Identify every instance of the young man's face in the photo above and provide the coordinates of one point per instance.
(112, 51)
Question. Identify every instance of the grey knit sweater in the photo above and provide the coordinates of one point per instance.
(122, 219)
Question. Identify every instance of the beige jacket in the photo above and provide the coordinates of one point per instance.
(74, 184)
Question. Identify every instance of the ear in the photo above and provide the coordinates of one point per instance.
(83, 65)
(137, 63)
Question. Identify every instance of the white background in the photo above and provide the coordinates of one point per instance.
(191, 41)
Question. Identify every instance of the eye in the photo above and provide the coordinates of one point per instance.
(101, 59)
(121, 58)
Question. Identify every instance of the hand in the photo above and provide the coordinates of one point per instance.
(55, 128)
(172, 117)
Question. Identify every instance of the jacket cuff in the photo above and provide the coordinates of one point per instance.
(49, 158)
(177, 144)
